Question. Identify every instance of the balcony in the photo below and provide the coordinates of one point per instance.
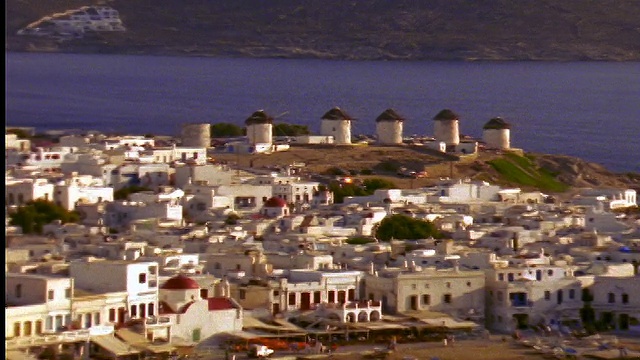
(522, 304)
(157, 322)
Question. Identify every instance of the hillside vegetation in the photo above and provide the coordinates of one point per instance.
(520, 170)
(356, 29)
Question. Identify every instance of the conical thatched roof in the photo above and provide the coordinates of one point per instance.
(259, 117)
(389, 115)
(497, 123)
(446, 114)
(336, 114)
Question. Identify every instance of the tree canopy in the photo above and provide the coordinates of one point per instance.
(35, 214)
(402, 227)
(284, 129)
(224, 129)
(368, 186)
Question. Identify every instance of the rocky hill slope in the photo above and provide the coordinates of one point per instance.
(548, 173)
(354, 29)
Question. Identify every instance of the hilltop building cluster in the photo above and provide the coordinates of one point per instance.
(205, 251)
(76, 23)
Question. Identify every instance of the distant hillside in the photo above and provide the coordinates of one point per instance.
(356, 29)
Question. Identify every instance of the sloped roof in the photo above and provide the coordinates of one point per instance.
(336, 114)
(259, 117)
(275, 202)
(497, 123)
(389, 115)
(446, 114)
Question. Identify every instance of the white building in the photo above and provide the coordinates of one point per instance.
(70, 191)
(162, 206)
(452, 291)
(44, 159)
(336, 123)
(195, 318)
(529, 294)
(21, 191)
(465, 191)
(446, 124)
(389, 127)
(11, 141)
(616, 301)
(138, 279)
(496, 133)
(37, 304)
(166, 155)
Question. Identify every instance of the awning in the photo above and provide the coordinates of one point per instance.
(113, 345)
(139, 341)
(249, 322)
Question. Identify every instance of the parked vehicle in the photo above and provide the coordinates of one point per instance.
(259, 351)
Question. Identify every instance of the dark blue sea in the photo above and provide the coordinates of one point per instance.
(585, 109)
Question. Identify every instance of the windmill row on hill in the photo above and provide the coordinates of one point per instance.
(335, 128)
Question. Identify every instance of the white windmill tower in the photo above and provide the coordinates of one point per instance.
(337, 123)
(389, 128)
(446, 128)
(496, 133)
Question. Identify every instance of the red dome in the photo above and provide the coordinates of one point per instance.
(180, 282)
(275, 202)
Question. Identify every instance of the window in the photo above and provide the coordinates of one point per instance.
(550, 272)
(426, 299)
(276, 293)
(625, 298)
(19, 290)
(501, 277)
(243, 294)
(134, 311)
(142, 278)
(572, 294)
(292, 299)
(50, 295)
(447, 298)
(510, 277)
(448, 285)
(612, 298)
(112, 315)
(547, 295)
(67, 293)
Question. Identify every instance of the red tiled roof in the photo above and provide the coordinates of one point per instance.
(275, 202)
(219, 303)
(180, 282)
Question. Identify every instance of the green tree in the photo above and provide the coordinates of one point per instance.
(368, 186)
(35, 214)
(222, 130)
(403, 227)
(123, 194)
(284, 129)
